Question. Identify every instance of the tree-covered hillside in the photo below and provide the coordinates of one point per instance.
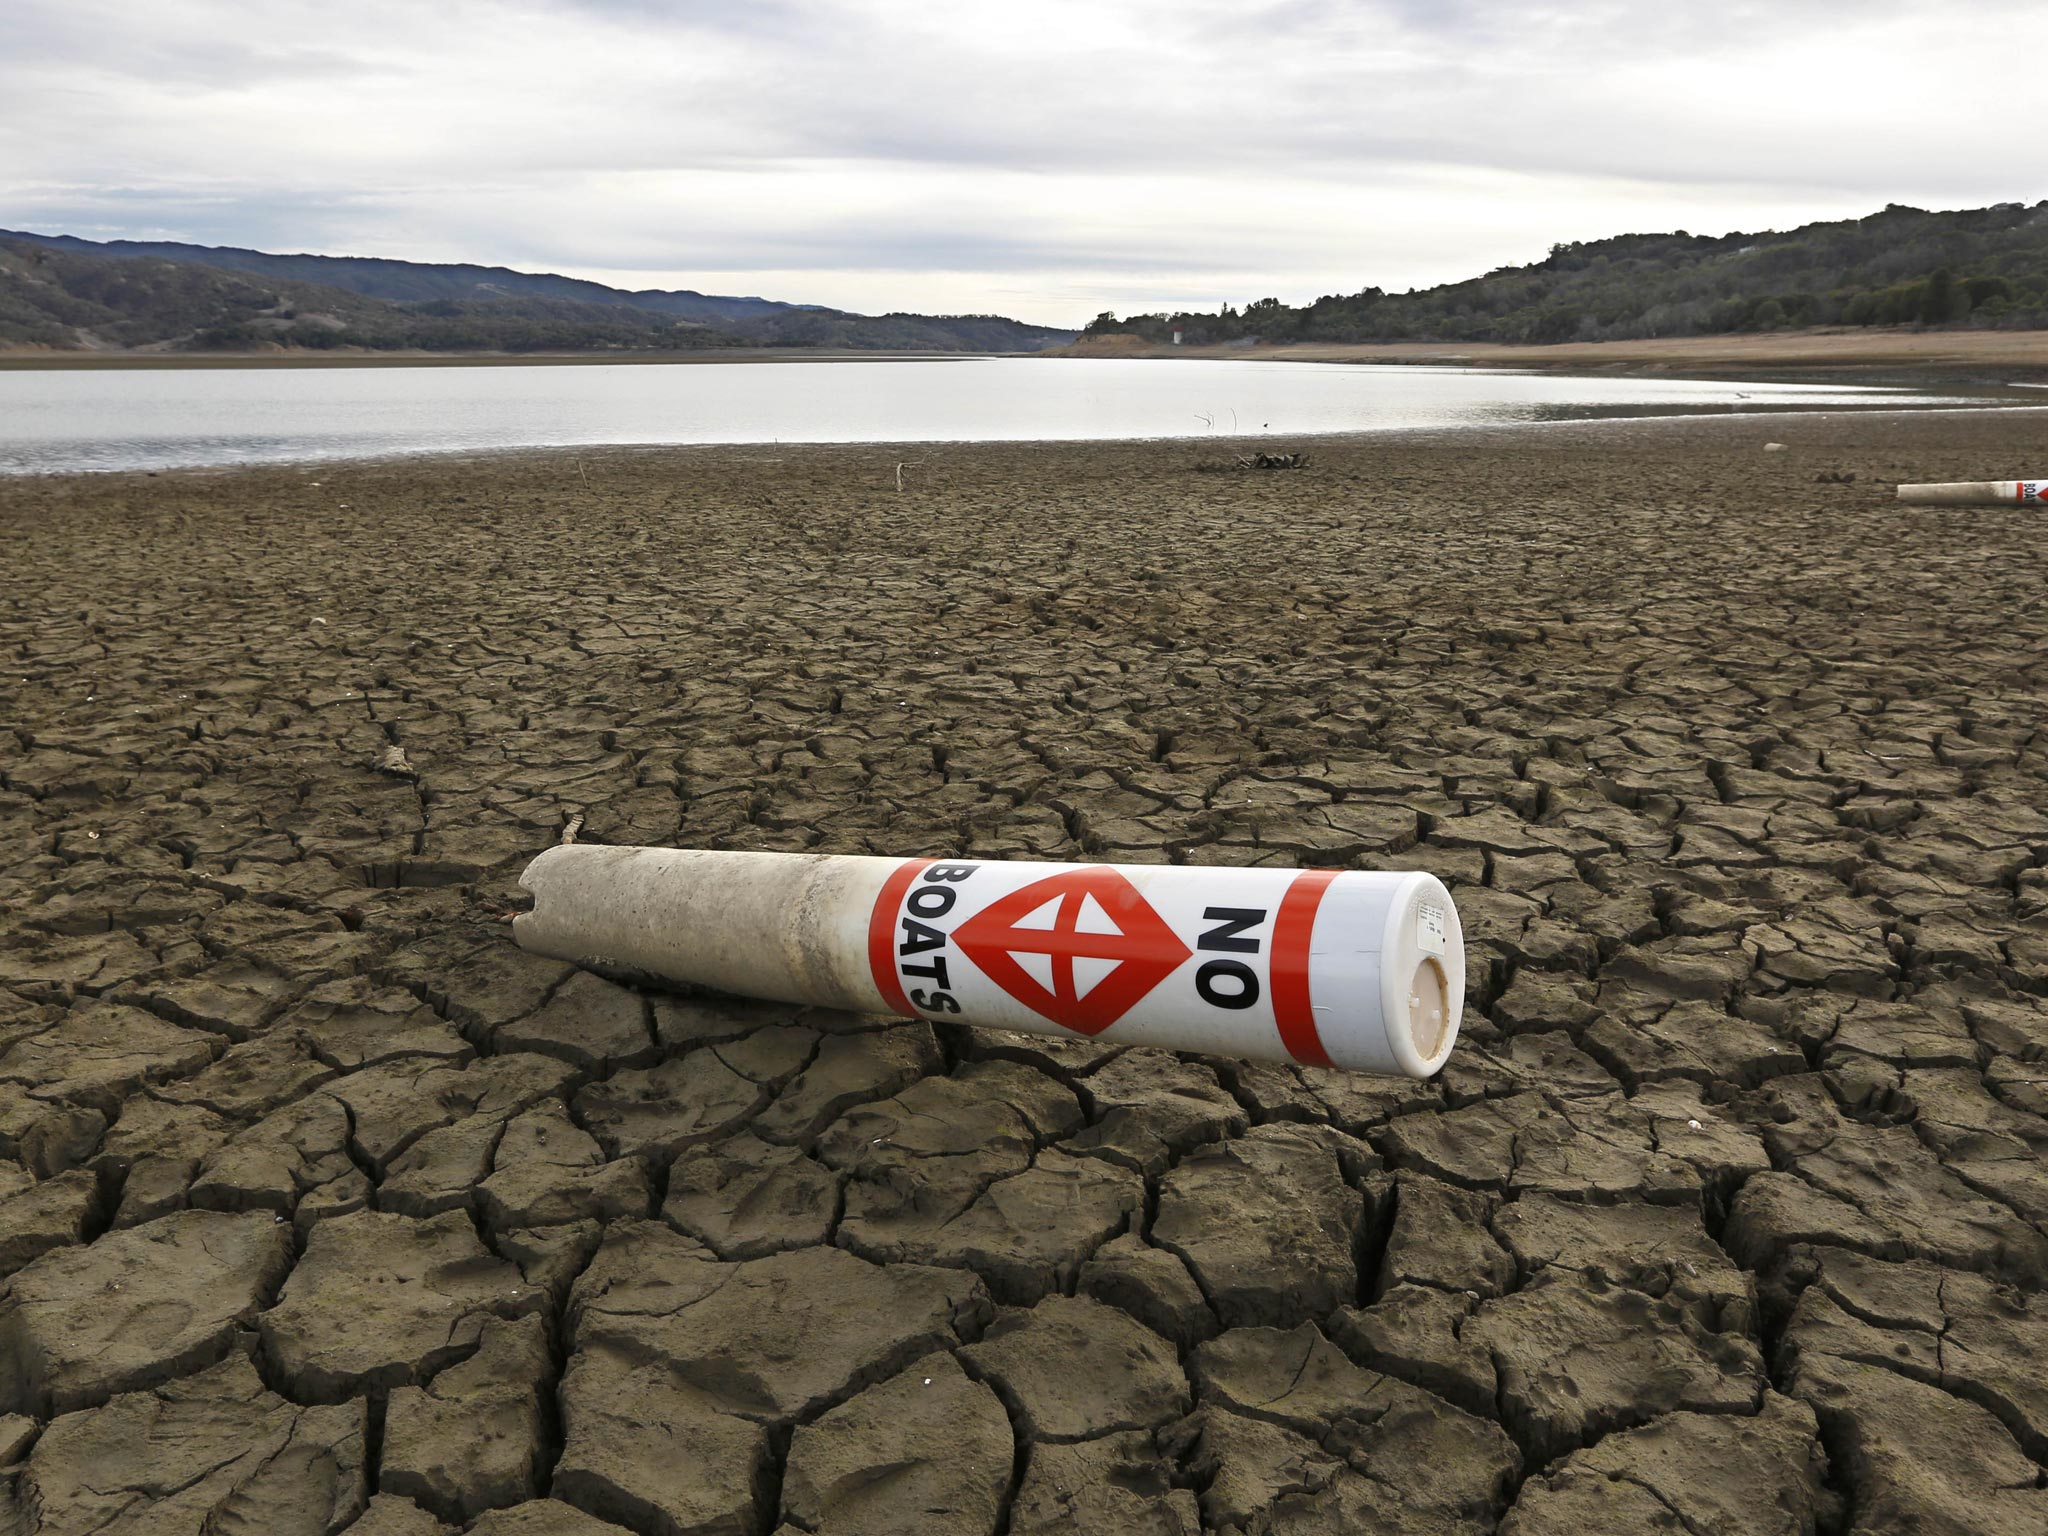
(420, 282)
(65, 300)
(68, 294)
(1983, 267)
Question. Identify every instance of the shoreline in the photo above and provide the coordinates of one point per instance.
(1904, 356)
(58, 362)
(1602, 429)
(1845, 354)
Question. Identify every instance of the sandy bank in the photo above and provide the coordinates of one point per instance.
(2021, 354)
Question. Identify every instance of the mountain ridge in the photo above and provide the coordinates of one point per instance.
(403, 281)
(1985, 268)
(65, 292)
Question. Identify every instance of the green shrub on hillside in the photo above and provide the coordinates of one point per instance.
(1982, 267)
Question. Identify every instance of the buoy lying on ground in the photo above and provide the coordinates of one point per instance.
(1977, 493)
(1351, 969)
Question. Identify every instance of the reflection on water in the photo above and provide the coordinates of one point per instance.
(102, 419)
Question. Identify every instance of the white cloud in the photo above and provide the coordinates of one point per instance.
(1044, 160)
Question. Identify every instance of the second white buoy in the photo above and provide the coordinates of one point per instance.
(1977, 493)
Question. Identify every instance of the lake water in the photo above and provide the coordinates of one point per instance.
(90, 418)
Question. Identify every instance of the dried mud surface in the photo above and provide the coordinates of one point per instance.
(323, 1207)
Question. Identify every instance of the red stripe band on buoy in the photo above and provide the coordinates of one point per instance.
(1291, 930)
(882, 935)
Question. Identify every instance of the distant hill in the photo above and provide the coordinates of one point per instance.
(63, 292)
(419, 282)
(1982, 267)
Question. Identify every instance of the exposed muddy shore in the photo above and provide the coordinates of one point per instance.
(323, 1207)
(1860, 355)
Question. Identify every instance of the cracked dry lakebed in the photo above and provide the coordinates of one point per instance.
(323, 1207)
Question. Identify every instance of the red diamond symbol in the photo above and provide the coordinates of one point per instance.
(1098, 918)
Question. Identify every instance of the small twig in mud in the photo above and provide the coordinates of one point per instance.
(570, 827)
(908, 464)
(394, 762)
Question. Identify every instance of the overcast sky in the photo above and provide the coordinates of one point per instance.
(1043, 160)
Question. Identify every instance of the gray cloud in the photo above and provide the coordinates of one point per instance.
(882, 152)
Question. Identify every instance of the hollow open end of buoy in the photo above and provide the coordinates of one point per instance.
(1429, 1008)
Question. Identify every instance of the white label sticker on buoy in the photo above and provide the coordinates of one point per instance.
(1429, 927)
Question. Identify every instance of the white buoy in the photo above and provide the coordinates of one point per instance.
(1351, 969)
(1977, 493)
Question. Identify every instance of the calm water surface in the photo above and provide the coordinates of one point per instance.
(155, 419)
